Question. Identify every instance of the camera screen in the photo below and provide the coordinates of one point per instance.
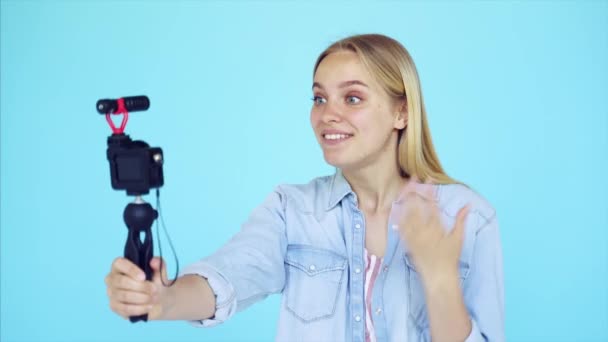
(130, 169)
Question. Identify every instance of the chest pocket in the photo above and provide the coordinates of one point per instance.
(314, 281)
(417, 300)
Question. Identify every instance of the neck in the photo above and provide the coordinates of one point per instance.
(377, 185)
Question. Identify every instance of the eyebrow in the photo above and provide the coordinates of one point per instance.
(343, 84)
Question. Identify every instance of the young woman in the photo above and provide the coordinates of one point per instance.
(387, 248)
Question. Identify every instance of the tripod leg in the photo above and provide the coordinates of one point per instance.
(133, 253)
(146, 252)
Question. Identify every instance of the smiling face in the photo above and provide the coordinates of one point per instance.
(354, 119)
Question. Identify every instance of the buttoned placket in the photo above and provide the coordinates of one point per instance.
(357, 279)
(378, 312)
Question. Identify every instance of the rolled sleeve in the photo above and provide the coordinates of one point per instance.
(225, 297)
(250, 266)
(484, 287)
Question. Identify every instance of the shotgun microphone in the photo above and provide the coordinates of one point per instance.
(132, 104)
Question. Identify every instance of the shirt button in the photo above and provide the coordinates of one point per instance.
(358, 318)
(385, 269)
(312, 267)
(357, 270)
(378, 311)
(357, 226)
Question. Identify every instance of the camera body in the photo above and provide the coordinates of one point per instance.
(134, 165)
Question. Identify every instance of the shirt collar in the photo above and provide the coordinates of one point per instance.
(338, 189)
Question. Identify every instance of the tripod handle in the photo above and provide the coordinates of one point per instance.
(140, 254)
(139, 218)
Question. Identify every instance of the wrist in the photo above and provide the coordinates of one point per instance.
(441, 282)
(165, 302)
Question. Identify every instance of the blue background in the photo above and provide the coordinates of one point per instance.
(517, 100)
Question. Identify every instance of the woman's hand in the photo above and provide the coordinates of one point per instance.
(435, 250)
(131, 295)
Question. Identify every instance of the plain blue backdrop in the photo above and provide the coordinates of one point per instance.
(517, 99)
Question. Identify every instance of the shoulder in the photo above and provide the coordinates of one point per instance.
(306, 196)
(452, 197)
(314, 186)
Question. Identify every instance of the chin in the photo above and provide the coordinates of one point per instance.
(339, 161)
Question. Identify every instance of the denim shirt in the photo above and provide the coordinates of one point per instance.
(307, 243)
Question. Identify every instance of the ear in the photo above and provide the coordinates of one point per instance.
(401, 115)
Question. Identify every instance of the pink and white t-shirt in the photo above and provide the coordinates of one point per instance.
(373, 264)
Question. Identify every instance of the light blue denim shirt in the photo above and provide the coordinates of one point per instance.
(307, 243)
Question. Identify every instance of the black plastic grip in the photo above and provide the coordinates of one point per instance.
(139, 218)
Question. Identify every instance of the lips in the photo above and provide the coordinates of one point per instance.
(336, 136)
(333, 137)
(334, 131)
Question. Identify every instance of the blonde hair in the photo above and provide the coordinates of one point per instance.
(394, 68)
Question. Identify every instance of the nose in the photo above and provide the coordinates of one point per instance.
(331, 113)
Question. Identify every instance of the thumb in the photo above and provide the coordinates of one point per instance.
(459, 226)
(160, 270)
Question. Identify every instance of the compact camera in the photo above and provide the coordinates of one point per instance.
(134, 165)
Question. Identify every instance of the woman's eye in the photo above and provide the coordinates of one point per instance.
(318, 100)
(353, 99)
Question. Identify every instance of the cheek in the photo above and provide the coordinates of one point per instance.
(373, 122)
(364, 120)
(314, 118)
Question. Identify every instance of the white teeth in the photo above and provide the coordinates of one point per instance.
(336, 136)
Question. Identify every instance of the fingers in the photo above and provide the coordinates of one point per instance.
(156, 262)
(459, 226)
(413, 185)
(129, 293)
(120, 281)
(160, 270)
(418, 209)
(127, 310)
(129, 297)
(159, 265)
(125, 266)
(411, 215)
